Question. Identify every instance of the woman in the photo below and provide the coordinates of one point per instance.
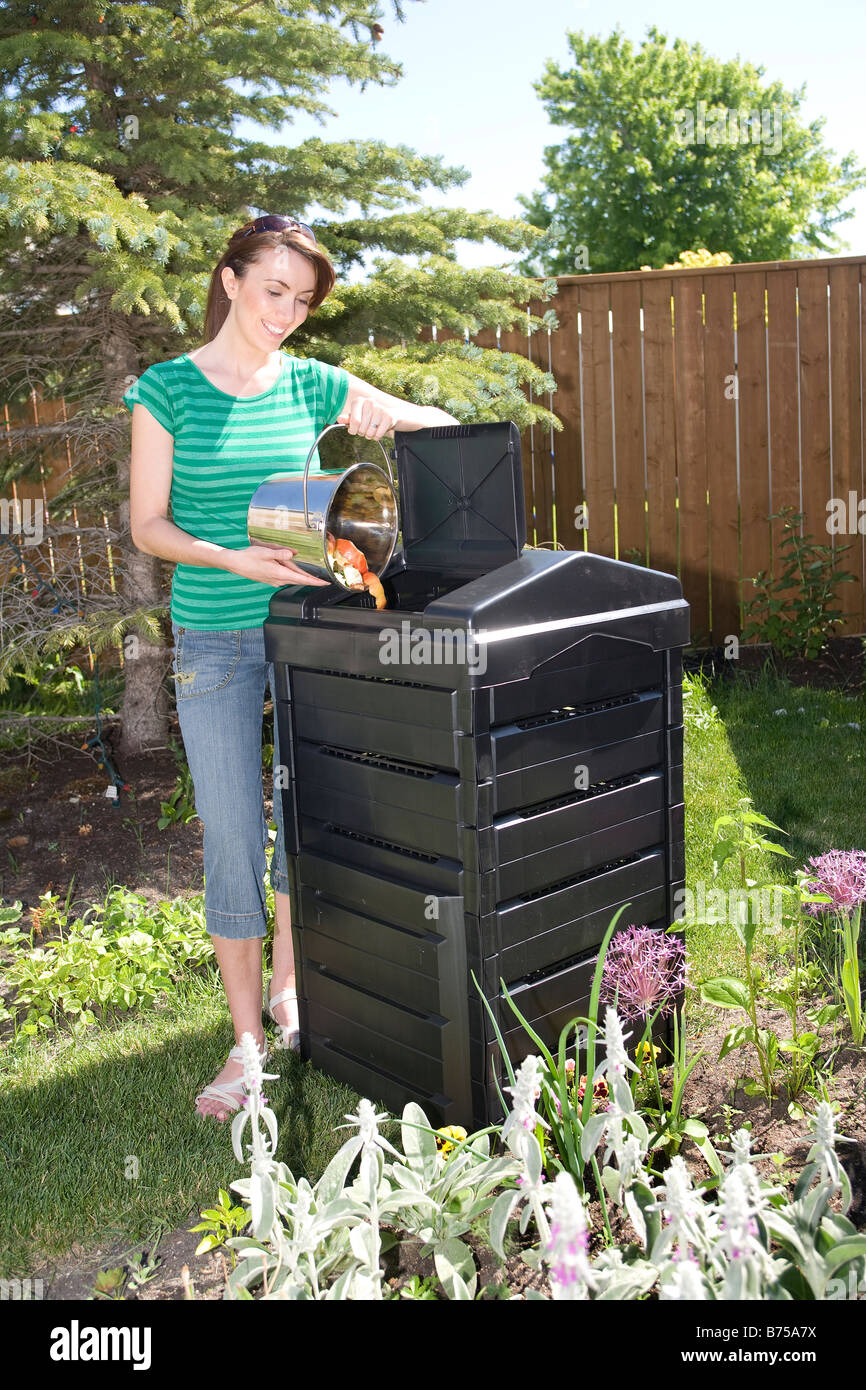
(207, 428)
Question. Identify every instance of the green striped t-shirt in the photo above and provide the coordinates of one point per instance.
(224, 447)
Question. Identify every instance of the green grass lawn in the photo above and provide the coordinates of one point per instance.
(75, 1114)
(801, 769)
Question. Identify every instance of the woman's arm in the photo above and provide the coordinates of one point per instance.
(373, 413)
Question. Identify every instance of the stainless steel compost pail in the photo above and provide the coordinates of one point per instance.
(358, 504)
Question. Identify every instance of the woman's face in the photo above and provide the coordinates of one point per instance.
(272, 299)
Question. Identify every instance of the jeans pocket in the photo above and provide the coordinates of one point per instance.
(204, 661)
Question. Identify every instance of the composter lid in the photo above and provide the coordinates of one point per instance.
(461, 496)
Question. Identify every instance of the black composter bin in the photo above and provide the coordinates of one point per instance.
(484, 805)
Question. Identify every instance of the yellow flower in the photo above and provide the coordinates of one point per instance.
(455, 1132)
(643, 1053)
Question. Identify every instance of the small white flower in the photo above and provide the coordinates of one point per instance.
(616, 1059)
(253, 1074)
(682, 1210)
(630, 1159)
(368, 1121)
(741, 1144)
(780, 711)
(824, 1148)
(740, 1203)
(524, 1093)
(566, 1253)
(687, 1283)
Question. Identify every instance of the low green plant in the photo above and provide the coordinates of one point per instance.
(325, 1240)
(109, 1284)
(698, 712)
(180, 806)
(417, 1288)
(220, 1222)
(739, 836)
(754, 1243)
(119, 955)
(794, 610)
(141, 1271)
(670, 1122)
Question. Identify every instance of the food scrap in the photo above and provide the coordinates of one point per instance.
(350, 566)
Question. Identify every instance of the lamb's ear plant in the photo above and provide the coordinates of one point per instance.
(325, 1241)
(692, 1248)
(818, 1242)
(574, 1130)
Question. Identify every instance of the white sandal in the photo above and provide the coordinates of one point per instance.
(289, 1038)
(231, 1094)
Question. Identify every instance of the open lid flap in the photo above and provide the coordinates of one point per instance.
(461, 496)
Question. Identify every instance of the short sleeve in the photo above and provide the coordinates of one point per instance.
(149, 390)
(333, 388)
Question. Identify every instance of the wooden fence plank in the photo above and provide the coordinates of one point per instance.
(754, 428)
(594, 304)
(692, 478)
(846, 457)
(628, 420)
(661, 457)
(814, 399)
(567, 463)
(783, 392)
(721, 412)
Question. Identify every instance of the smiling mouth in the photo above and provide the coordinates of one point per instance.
(274, 331)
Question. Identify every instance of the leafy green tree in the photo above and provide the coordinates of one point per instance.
(671, 150)
(121, 178)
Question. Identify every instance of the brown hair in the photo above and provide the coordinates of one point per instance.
(242, 251)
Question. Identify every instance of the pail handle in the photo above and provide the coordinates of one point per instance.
(337, 426)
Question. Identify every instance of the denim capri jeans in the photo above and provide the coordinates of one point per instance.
(220, 681)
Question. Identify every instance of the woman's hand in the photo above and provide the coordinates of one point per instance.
(368, 419)
(270, 564)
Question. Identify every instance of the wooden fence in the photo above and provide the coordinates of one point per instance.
(696, 403)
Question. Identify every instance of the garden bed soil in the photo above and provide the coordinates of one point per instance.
(53, 842)
(841, 665)
(181, 1274)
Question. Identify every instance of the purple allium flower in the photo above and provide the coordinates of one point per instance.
(644, 970)
(841, 874)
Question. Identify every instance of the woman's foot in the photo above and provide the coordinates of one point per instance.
(285, 1013)
(231, 1073)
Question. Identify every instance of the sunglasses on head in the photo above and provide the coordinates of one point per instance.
(274, 222)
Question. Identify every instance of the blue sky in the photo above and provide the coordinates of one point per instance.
(468, 68)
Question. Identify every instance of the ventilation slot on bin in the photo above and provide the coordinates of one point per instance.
(535, 721)
(333, 829)
(382, 680)
(352, 755)
(537, 976)
(579, 878)
(571, 798)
